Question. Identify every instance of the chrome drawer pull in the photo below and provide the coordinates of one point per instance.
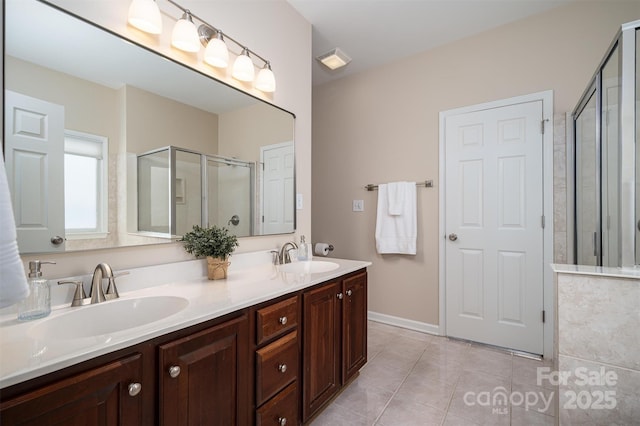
(282, 421)
(283, 320)
(134, 389)
(174, 371)
(282, 368)
(349, 292)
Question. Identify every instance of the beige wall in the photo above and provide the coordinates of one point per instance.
(153, 122)
(382, 125)
(274, 30)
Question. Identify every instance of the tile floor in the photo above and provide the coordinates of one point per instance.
(414, 378)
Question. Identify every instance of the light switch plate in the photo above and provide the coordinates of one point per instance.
(358, 205)
(299, 201)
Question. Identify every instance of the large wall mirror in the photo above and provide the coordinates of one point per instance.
(109, 144)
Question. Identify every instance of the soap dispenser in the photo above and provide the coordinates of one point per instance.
(38, 303)
(303, 250)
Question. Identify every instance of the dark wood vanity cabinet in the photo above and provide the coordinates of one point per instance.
(202, 379)
(335, 338)
(108, 395)
(275, 363)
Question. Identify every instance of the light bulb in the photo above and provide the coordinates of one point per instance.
(145, 16)
(243, 67)
(185, 35)
(216, 54)
(266, 81)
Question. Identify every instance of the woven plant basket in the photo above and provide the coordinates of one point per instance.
(217, 268)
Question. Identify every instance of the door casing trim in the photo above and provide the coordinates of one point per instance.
(547, 172)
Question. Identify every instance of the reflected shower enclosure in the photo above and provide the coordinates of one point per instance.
(180, 188)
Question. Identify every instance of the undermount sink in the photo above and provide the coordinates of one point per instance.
(108, 317)
(308, 267)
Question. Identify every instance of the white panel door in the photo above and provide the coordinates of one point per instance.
(34, 155)
(277, 194)
(494, 208)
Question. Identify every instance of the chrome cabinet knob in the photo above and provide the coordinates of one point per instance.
(283, 320)
(339, 296)
(57, 240)
(174, 371)
(349, 292)
(134, 389)
(282, 421)
(453, 237)
(282, 368)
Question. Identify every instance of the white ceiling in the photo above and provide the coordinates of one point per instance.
(374, 32)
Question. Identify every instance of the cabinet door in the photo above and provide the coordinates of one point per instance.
(100, 396)
(354, 331)
(322, 328)
(203, 379)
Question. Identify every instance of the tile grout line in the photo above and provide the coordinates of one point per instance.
(398, 388)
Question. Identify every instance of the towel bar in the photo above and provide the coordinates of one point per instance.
(426, 184)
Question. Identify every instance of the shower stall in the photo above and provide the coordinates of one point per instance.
(605, 128)
(179, 188)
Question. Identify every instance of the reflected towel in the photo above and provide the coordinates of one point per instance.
(13, 282)
(397, 233)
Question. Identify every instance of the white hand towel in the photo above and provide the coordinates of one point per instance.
(13, 282)
(397, 233)
(395, 197)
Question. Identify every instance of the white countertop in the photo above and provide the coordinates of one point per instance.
(23, 357)
(601, 271)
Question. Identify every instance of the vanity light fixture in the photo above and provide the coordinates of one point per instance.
(145, 15)
(266, 81)
(243, 67)
(216, 53)
(334, 59)
(185, 35)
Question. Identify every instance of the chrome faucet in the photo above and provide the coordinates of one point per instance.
(284, 256)
(97, 294)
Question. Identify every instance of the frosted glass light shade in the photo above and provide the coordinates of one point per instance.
(216, 54)
(266, 81)
(243, 67)
(185, 35)
(145, 16)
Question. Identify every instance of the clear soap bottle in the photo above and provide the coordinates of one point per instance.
(303, 250)
(38, 303)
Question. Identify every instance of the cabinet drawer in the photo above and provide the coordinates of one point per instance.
(276, 366)
(281, 410)
(276, 319)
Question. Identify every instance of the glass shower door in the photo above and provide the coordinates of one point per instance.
(587, 183)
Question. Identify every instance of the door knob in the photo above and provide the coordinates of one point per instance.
(453, 237)
(57, 240)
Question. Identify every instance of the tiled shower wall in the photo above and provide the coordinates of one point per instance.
(560, 188)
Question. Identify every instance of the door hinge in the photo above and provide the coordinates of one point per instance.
(543, 316)
(542, 125)
(542, 221)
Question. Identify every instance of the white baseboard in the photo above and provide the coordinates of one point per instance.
(404, 323)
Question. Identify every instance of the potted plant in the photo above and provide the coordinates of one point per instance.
(215, 243)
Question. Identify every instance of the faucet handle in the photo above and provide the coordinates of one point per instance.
(275, 256)
(79, 295)
(112, 290)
